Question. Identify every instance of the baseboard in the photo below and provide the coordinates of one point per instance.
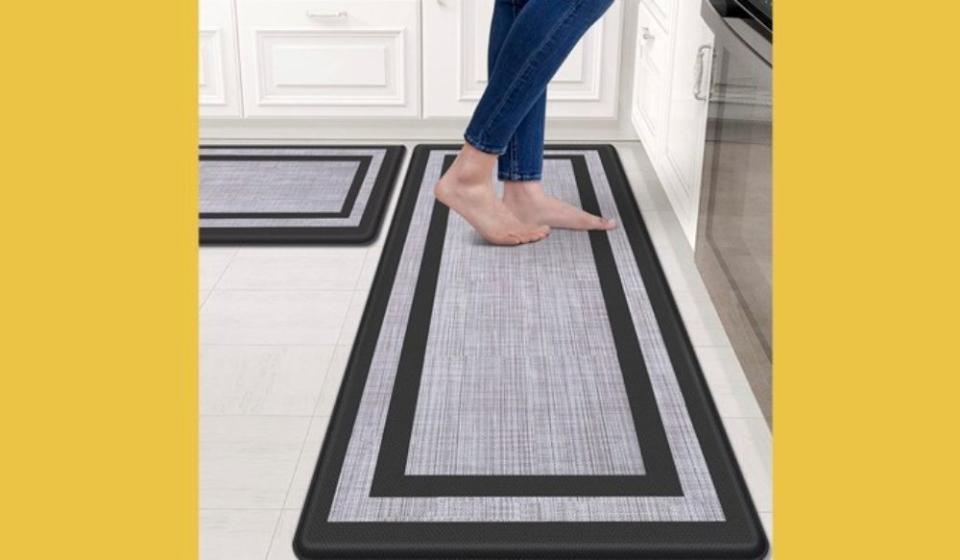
(558, 130)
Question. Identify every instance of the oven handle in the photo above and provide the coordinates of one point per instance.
(701, 66)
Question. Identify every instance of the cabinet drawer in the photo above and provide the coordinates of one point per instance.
(330, 58)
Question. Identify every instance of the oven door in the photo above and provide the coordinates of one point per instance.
(733, 247)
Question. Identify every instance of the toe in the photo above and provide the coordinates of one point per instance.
(606, 224)
(540, 233)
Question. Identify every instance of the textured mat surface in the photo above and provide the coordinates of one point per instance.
(540, 401)
(294, 194)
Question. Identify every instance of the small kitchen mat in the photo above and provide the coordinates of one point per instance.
(541, 401)
(295, 194)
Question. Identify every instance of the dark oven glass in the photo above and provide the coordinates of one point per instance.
(733, 247)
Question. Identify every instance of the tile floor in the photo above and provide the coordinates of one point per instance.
(276, 327)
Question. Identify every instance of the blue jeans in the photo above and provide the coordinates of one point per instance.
(529, 40)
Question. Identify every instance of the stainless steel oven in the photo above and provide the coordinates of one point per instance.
(733, 247)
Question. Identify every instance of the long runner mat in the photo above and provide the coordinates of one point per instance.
(541, 401)
(295, 194)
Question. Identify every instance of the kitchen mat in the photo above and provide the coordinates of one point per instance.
(540, 401)
(295, 194)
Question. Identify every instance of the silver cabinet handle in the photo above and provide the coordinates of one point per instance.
(645, 33)
(326, 15)
(698, 83)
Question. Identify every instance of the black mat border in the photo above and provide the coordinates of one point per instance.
(390, 479)
(740, 536)
(364, 232)
(346, 206)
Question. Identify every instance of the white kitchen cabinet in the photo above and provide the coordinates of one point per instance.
(670, 98)
(651, 76)
(330, 58)
(665, 10)
(455, 36)
(219, 63)
(687, 113)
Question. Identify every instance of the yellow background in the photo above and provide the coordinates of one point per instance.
(98, 230)
(865, 277)
(99, 297)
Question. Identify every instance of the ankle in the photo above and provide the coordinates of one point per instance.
(472, 167)
(522, 189)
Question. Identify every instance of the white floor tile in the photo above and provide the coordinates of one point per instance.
(728, 384)
(642, 177)
(665, 231)
(307, 464)
(331, 383)
(248, 461)
(236, 534)
(750, 438)
(681, 270)
(294, 268)
(369, 271)
(202, 297)
(700, 319)
(282, 546)
(351, 322)
(273, 317)
(213, 261)
(278, 380)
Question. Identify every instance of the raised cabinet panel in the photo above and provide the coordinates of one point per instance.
(687, 114)
(455, 63)
(664, 10)
(219, 79)
(357, 58)
(651, 78)
(330, 67)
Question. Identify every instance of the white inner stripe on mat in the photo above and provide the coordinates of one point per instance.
(521, 375)
(352, 501)
(359, 206)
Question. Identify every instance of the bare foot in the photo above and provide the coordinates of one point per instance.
(527, 200)
(466, 189)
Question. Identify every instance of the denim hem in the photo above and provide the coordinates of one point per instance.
(484, 147)
(519, 176)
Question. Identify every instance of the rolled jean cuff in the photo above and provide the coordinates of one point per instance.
(484, 147)
(519, 176)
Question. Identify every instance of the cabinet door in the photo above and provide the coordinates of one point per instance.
(651, 77)
(455, 63)
(687, 114)
(219, 78)
(330, 58)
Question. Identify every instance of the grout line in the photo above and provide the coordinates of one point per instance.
(306, 436)
(309, 415)
(311, 290)
(343, 325)
(265, 344)
(255, 416)
(204, 300)
(268, 345)
(273, 536)
(258, 508)
(236, 251)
